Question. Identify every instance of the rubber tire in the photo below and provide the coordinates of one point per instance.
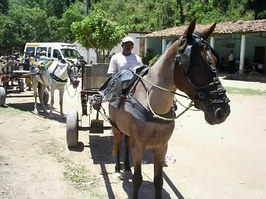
(2, 96)
(45, 96)
(72, 128)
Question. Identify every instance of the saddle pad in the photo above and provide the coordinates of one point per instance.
(139, 112)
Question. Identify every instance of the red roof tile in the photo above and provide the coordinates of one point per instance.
(221, 28)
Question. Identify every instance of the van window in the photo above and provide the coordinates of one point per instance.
(30, 50)
(56, 53)
(71, 53)
(40, 49)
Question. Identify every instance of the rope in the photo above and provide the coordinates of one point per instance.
(159, 87)
(71, 96)
(165, 118)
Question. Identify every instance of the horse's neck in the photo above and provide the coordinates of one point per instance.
(161, 75)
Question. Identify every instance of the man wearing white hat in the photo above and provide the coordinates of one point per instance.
(125, 59)
(43, 56)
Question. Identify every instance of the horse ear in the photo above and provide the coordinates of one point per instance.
(207, 33)
(190, 29)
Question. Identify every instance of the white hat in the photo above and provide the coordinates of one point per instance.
(127, 39)
(43, 52)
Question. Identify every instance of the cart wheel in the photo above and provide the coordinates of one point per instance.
(2, 96)
(45, 96)
(72, 128)
(21, 85)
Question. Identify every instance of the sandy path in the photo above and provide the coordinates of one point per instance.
(206, 162)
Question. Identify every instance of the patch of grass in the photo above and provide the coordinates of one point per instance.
(5, 110)
(245, 91)
(77, 174)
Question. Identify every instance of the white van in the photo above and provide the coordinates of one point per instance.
(54, 50)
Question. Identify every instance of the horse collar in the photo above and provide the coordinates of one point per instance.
(56, 78)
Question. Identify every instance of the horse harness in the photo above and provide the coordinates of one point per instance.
(213, 93)
(56, 78)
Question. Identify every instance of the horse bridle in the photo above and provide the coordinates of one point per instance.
(69, 67)
(213, 93)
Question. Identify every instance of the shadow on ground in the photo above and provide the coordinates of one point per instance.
(29, 107)
(101, 152)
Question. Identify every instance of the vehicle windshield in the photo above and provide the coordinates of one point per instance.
(71, 53)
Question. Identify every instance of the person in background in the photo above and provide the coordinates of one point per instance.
(125, 59)
(27, 66)
(26, 61)
(43, 56)
(231, 59)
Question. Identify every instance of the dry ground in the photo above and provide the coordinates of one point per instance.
(204, 162)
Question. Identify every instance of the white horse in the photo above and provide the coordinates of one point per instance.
(53, 75)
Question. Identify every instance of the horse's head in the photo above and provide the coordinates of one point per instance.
(195, 74)
(73, 75)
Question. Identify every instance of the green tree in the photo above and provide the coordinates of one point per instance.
(258, 7)
(55, 30)
(21, 25)
(3, 6)
(74, 13)
(6, 35)
(99, 32)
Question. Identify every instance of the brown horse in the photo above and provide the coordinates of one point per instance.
(188, 65)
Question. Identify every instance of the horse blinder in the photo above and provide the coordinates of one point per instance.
(72, 74)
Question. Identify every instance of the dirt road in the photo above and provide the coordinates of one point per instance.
(204, 162)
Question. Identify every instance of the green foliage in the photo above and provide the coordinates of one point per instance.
(3, 6)
(244, 91)
(154, 60)
(98, 31)
(147, 57)
(55, 29)
(22, 24)
(50, 20)
(74, 13)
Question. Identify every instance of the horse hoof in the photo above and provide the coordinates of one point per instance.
(116, 177)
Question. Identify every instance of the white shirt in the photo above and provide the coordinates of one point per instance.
(121, 62)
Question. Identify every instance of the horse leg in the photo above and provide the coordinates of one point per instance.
(51, 101)
(34, 87)
(61, 97)
(116, 148)
(41, 93)
(137, 176)
(126, 162)
(159, 158)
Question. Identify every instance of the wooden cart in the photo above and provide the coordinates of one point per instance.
(93, 76)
